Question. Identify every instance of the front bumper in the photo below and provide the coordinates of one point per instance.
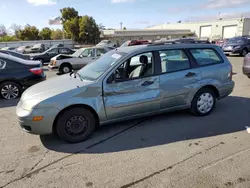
(45, 126)
(233, 51)
(226, 89)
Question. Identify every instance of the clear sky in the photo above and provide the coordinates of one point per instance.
(133, 13)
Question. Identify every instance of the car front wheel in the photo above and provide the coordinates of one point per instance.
(244, 52)
(75, 125)
(64, 69)
(203, 102)
(10, 90)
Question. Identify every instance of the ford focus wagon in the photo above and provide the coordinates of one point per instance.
(127, 83)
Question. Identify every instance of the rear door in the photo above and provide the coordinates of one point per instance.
(178, 78)
(213, 69)
(14, 70)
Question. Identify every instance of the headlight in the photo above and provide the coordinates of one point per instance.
(54, 62)
(29, 104)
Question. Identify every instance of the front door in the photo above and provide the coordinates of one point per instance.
(177, 79)
(85, 58)
(135, 89)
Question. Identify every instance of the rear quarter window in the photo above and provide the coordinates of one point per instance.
(206, 56)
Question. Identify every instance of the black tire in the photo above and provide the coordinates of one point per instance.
(207, 108)
(14, 92)
(65, 67)
(75, 125)
(244, 52)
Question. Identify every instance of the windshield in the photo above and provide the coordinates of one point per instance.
(94, 70)
(78, 52)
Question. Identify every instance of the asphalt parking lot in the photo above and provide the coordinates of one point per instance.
(169, 150)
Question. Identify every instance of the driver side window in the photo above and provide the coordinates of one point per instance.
(138, 66)
(88, 53)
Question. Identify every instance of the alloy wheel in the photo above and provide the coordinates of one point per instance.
(10, 91)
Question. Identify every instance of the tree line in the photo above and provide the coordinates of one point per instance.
(30, 33)
(81, 29)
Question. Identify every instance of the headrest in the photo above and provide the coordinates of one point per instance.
(144, 59)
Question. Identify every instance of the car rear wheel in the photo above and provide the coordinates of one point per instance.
(203, 102)
(244, 52)
(75, 125)
(10, 90)
(64, 69)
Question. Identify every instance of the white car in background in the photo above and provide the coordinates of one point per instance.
(106, 43)
(66, 63)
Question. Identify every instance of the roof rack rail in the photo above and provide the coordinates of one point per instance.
(180, 42)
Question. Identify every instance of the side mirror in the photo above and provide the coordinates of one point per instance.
(111, 78)
(80, 56)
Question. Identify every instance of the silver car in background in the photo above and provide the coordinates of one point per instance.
(66, 63)
(127, 83)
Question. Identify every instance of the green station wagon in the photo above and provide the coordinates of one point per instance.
(127, 83)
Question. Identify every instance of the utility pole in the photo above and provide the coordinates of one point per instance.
(121, 25)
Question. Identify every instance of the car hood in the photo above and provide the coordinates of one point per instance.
(53, 87)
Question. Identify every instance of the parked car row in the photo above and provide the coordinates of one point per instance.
(37, 48)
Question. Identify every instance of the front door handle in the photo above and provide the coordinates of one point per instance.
(190, 74)
(147, 83)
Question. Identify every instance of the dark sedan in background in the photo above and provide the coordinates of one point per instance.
(237, 45)
(15, 54)
(52, 52)
(17, 74)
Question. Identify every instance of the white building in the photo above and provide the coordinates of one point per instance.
(120, 36)
(223, 28)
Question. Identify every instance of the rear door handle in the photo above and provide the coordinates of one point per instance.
(190, 74)
(147, 83)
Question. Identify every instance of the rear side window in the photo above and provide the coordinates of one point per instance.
(173, 60)
(100, 52)
(64, 51)
(206, 56)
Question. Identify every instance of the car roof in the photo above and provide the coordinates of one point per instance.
(160, 46)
